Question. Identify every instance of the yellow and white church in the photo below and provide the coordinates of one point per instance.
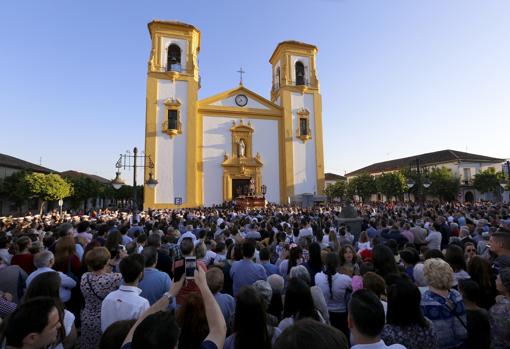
(206, 152)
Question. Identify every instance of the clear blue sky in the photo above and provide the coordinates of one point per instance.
(398, 77)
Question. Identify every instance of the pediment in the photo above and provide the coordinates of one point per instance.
(225, 102)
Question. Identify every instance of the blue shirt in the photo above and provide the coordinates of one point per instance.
(227, 305)
(372, 232)
(270, 268)
(154, 284)
(246, 272)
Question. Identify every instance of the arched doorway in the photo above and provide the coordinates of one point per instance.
(469, 197)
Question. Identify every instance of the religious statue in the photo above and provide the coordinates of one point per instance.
(241, 149)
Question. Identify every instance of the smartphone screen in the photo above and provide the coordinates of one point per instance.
(178, 269)
(190, 264)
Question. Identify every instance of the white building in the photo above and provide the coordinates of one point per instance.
(209, 151)
(463, 165)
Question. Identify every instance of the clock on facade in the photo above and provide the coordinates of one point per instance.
(241, 100)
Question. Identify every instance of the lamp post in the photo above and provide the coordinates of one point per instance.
(505, 183)
(125, 162)
(263, 188)
(417, 167)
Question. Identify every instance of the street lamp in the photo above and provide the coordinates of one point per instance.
(125, 162)
(417, 167)
(263, 188)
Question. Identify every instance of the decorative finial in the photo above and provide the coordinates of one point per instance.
(241, 72)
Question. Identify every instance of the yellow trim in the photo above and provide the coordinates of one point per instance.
(248, 112)
(172, 104)
(319, 142)
(272, 107)
(193, 195)
(288, 154)
(303, 114)
(150, 138)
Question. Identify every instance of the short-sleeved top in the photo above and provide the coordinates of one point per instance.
(340, 283)
(245, 272)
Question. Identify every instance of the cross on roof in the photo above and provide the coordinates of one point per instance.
(241, 72)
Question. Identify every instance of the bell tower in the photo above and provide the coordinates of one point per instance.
(172, 130)
(296, 89)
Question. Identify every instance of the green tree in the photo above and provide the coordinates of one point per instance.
(48, 187)
(362, 185)
(336, 190)
(391, 184)
(444, 184)
(15, 189)
(84, 188)
(488, 181)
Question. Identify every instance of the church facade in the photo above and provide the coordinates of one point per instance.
(209, 151)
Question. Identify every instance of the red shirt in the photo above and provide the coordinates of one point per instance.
(25, 262)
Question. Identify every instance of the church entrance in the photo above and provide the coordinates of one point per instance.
(469, 197)
(240, 187)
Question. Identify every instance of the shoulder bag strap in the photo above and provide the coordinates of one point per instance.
(454, 314)
(92, 288)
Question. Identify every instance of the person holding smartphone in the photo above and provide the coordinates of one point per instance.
(190, 264)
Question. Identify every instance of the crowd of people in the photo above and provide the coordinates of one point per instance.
(418, 277)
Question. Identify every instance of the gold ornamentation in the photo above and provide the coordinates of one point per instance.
(172, 104)
(307, 135)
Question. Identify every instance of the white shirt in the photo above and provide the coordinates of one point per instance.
(340, 282)
(434, 240)
(68, 326)
(378, 345)
(123, 304)
(188, 234)
(5, 256)
(66, 283)
(305, 232)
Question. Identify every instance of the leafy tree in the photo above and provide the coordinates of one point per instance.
(391, 184)
(48, 187)
(488, 181)
(444, 184)
(84, 189)
(15, 189)
(362, 185)
(336, 190)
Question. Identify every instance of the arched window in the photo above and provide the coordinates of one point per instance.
(173, 58)
(300, 73)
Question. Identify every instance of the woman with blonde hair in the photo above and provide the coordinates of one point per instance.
(442, 305)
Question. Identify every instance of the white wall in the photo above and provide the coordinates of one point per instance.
(183, 44)
(218, 141)
(230, 102)
(171, 153)
(306, 63)
(305, 165)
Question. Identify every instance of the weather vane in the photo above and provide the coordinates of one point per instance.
(241, 72)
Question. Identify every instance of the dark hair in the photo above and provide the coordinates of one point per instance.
(114, 335)
(404, 304)
(192, 321)
(367, 313)
(82, 226)
(331, 269)
(250, 320)
(264, 254)
(470, 290)
(156, 329)
(433, 254)
(31, 316)
(374, 283)
(342, 252)
(315, 260)
(455, 257)
(308, 333)
(131, 267)
(480, 271)
(154, 240)
(384, 260)
(294, 254)
(503, 238)
(187, 246)
(150, 255)
(298, 301)
(47, 285)
(410, 256)
(248, 248)
(113, 240)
